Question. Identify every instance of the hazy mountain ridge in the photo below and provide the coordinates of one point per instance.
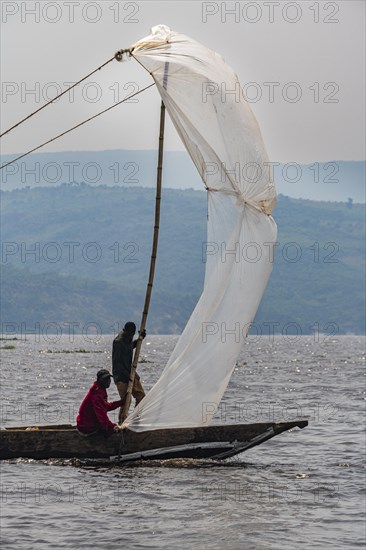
(80, 254)
(335, 180)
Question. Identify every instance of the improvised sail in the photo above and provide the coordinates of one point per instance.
(204, 100)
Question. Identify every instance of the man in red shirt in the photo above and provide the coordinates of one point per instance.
(93, 417)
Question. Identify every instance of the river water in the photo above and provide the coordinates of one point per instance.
(303, 489)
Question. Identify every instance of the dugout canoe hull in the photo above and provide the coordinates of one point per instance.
(64, 441)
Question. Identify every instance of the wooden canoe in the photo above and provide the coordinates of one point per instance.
(64, 441)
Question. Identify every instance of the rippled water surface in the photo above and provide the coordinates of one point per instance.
(302, 489)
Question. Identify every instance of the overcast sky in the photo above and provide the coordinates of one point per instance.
(301, 65)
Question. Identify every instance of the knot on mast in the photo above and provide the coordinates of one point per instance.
(119, 55)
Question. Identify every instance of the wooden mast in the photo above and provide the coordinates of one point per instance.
(152, 263)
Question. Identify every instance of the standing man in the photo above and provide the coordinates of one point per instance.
(122, 355)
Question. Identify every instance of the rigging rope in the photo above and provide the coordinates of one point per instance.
(77, 126)
(58, 96)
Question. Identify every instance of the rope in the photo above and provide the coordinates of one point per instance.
(77, 126)
(59, 95)
(121, 444)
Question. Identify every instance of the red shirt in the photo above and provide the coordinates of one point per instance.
(93, 411)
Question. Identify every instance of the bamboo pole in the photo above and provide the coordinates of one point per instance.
(152, 264)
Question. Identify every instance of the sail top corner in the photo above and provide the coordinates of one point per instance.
(160, 35)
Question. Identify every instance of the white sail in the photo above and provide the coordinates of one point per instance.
(204, 100)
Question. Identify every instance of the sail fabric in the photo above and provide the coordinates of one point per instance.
(203, 98)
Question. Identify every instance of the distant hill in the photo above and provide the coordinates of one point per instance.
(329, 181)
(334, 181)
(80, 254)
